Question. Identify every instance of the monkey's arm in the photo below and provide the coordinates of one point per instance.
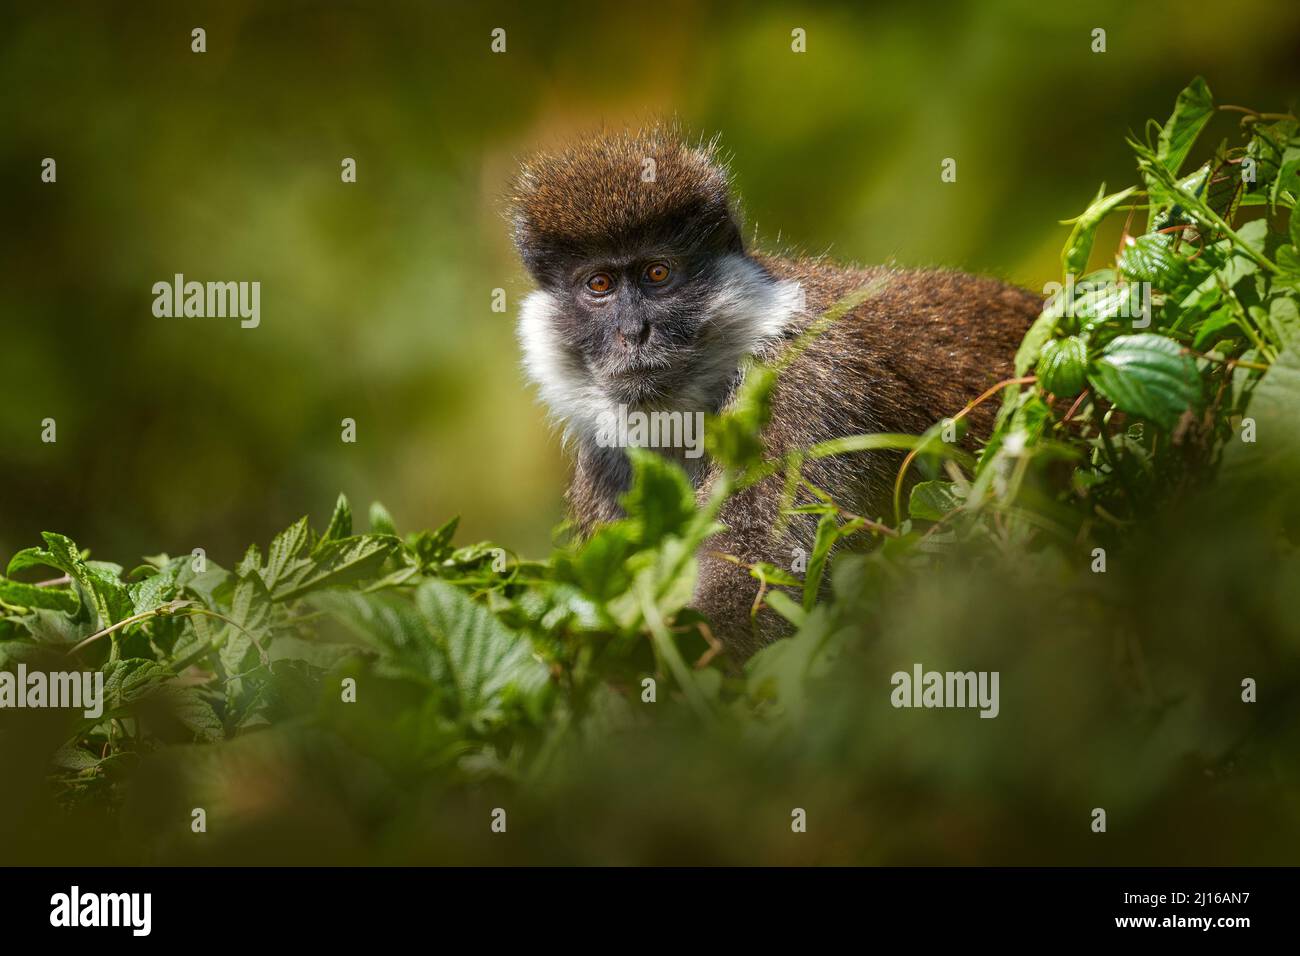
(726, 591)
(600, 477)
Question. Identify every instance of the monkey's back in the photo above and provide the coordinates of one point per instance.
(918, 350)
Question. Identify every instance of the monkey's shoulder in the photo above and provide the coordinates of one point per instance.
(921, 347)
(920, 298)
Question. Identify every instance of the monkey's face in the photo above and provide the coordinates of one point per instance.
(647, 297)
(638, 321)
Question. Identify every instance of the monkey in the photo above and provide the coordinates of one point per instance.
(648, 298)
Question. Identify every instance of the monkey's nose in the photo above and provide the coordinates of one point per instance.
(634, 335)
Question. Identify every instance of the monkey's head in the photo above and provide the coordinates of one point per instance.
(647, 297)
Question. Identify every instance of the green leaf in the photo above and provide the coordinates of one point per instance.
(128, 680)
(250, 609)
(70, 757)
(1214, 324)
(30, 596)
(339, 562)
(1288, 260)
(391, 625)
(829, 532)
(1151, 258)
(735, 439)
(1078, 248)
(1192, 111)
(763, 571)
(1063, 366)
(780, 673)
(188, 707)
(1284, 316)
(102, 594)
(489, 663)
(154, 591)
(599, 566)
(381, 522)
(56, 627)
(250, 563)
(204, 584)
(1274, 455)
(1031, 346)
(932, 500)
(1149, 376)
(282, 555)
(431, 548)
(340, 525)
(784, 605)
(31, 558)
(661, 500)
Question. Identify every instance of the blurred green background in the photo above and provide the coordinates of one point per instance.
(179, 433)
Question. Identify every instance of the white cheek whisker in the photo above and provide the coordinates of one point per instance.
(747, 309)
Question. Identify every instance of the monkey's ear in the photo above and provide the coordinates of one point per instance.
(728, 236)
(736, 242)
(717, 182)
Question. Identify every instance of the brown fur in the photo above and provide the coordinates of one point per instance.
(919, 350)
(577, 199)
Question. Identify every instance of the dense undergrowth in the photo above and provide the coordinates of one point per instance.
(1121, 551)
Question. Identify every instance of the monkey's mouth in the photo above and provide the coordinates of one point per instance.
(639, 379)
(636, 388)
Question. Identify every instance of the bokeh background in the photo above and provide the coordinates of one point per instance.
(178, 433)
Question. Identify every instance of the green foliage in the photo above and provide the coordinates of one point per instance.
(1145, 365)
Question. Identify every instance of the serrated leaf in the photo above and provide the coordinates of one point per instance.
(487, 660)
(282, 555)
(338, 562)
(661, 500)
(932, 500)
(127, 680)
(393, 626)
(250, 563)
(1063, 366)
(735, 439)
(203, 584)
(1151, 258)
(381, 522)
(1275, 453)
(431, 548)
(187, 705)
(154, 591)
(56, 627)
(1031, 346)
(31, 558)
(30, 596)
(250, 609)
(1192, 111)
(1212, 326)
(340, 525)
(1284, 316)
(1149, 376)
(1078, 248)
(103, 595)
(70, 757)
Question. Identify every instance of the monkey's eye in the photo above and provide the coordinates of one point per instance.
(600, 283)
(657, 272)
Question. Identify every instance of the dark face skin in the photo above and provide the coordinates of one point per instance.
(636, 318)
